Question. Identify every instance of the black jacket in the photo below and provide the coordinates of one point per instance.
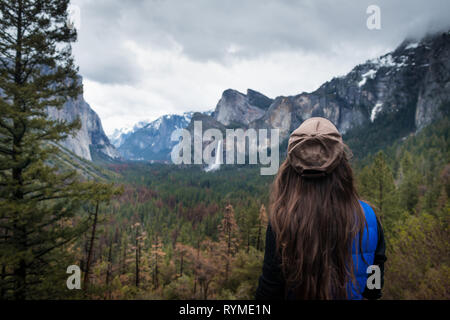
(272, 283)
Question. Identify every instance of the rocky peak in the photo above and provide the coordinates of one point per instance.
(400, 92)
(236, 108)
(90, 141)
(412, 81)
(258, 99)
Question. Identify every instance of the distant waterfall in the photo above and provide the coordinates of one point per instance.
(216, 165)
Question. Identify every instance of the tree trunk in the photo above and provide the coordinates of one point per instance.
(138, 249)
(195, 267)
(109, 270)
(258, 243)
(227, 264)
(124, 258)
(248, 241)
(91, 248)
(20, 274)
(19, 233)
(181, 265)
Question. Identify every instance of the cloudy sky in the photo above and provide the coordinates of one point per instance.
(144, 58)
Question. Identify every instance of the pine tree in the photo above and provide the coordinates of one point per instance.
(95, 219)
(91, 246)
(365, 182)
(109, 270)
(181, 251)
(262, 224)
(139, 239)
(228, 238)
(206, 266)
(409, 183)
(377, 186)
(37, 201)
(157, 254)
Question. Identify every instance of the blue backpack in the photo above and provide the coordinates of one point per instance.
(368, 248)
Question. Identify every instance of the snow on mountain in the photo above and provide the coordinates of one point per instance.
(410, 83)
(151, 140)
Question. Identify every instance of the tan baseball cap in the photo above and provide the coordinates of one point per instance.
(315, 148)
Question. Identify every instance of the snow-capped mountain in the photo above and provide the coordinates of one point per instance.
(150, 140)
(401, 91)
(404, 88)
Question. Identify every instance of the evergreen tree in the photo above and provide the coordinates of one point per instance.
(377, 186)
(95, 219)
(228, 238)
(37, 201)
(157, 254)
(206, 267)
(181, 251)
(262, 224)
(409, 183)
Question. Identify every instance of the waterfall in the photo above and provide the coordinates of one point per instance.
(216, 165)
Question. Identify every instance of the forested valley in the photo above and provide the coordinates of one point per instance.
(142, 230)
(182, 233)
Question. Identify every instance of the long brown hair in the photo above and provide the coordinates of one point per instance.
(315, 221)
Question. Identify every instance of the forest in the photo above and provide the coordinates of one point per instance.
(140, 230)
(182, 233)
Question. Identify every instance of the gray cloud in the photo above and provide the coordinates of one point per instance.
(207, 29)
(173, 53)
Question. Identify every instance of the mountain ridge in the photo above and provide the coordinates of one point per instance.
(151, 141)
(404, 87)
